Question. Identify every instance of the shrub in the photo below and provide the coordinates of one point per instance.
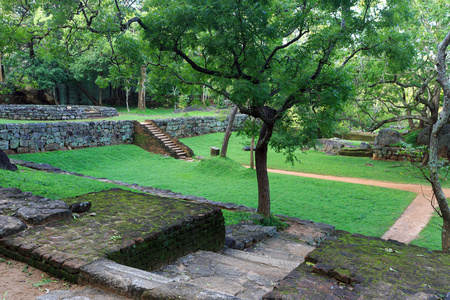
(411, 138)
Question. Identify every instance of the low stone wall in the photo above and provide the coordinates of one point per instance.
(192, 126)
(392, 154)
(194, 232)
(35, 137)
(53, 112)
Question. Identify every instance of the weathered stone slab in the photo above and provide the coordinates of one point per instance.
(10, 225)
(38, 216)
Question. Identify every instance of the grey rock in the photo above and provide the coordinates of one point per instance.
(5, 163)
(364, 145)
(11, 225)
(424, 136)
(80, 207)
(387, 137)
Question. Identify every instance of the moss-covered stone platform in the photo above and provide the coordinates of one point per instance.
(134, 229)
(352, 266)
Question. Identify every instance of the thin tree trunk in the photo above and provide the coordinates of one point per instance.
(1, 69)
(55, 96)
(100, 96)
(141, 94)
(126, 98)
(252, 147)
(226, 138)
(443, 118)
(90, 97)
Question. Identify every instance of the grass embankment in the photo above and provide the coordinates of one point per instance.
(53, 186)
(367, 210)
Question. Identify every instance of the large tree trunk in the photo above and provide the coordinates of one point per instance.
(437, 127)
(261, 169)
(141, 94)
(226, 138)
(90, 97)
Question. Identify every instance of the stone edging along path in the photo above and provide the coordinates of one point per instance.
(413, 219)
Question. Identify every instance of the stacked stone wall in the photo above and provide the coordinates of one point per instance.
(192, 126)
(200, 233)
(52, 112)
(394, 154)
(35, 137)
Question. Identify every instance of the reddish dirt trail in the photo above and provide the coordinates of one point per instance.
(414, 218)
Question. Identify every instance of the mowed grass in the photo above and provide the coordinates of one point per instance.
(355, 208)
(313, 161)
(319, 163)
(430, 236)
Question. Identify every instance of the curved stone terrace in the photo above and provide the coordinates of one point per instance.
(54, 112)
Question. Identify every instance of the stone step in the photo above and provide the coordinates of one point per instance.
(134, 282)
(264, 259)
(282, 248)
(244, 279)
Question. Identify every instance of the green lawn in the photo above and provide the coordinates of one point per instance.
(356, 208)
(313, 161)
(430, 236)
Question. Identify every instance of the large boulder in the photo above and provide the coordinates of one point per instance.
(5, 163)
(387, 137)
(424, 136)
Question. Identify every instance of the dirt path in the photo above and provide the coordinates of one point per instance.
(414, 218)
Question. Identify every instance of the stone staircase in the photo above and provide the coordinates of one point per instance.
(93, 114)
(230, 274)
(240, 274)
(168, 142)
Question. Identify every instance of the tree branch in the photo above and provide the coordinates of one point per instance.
(396, 119)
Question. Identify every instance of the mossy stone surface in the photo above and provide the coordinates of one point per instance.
(352, 266)
(120, 223)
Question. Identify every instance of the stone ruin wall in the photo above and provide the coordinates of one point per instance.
(39, 137)
(52, 112)
(35, 137)
(393, 154)
(193, 126)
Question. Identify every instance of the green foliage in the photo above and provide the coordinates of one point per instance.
(271, 221)
(411, 137)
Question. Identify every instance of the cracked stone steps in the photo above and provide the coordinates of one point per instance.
(167, 142)
(284, 248)
(243, 274)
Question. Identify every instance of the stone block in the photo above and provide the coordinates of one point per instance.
(10, 225)
(4, 145)
(214, 151)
